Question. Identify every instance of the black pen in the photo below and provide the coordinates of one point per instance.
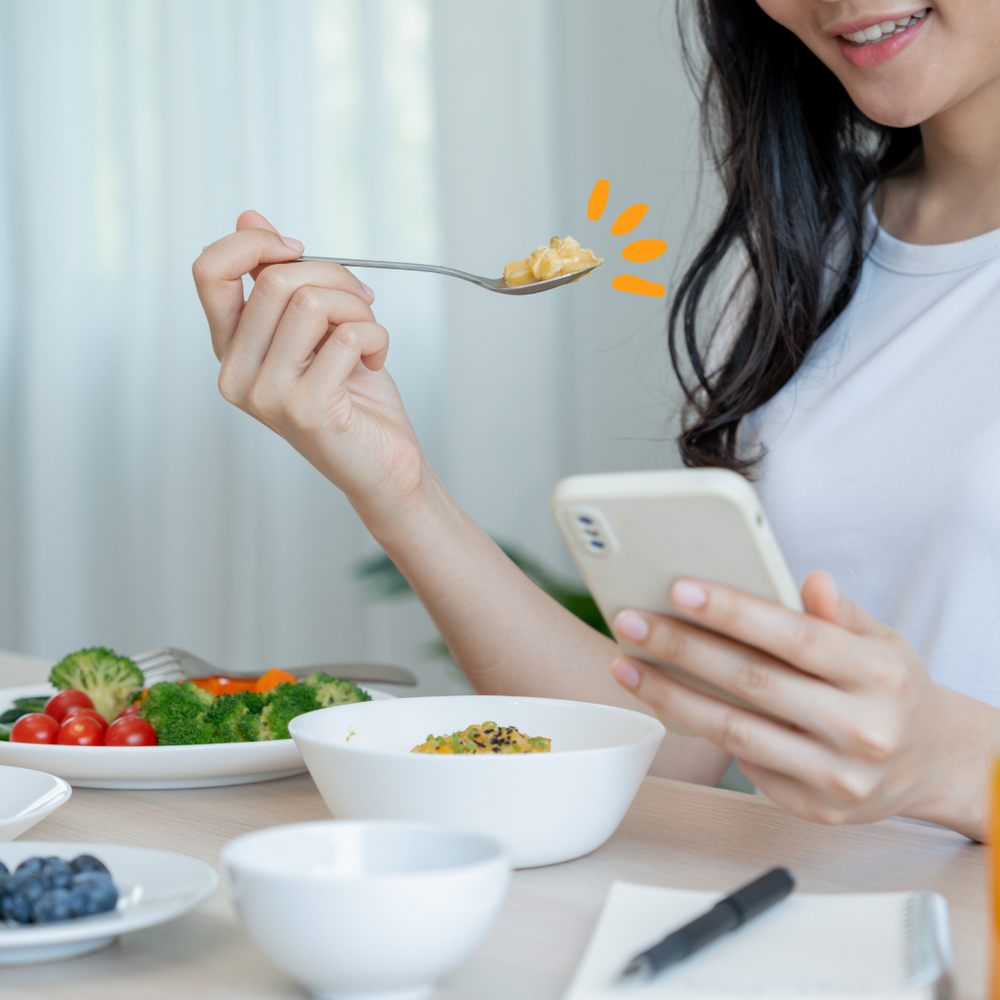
(734, 911)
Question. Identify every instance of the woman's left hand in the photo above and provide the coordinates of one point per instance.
(864, 731)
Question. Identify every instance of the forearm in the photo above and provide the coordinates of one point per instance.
(506, 634)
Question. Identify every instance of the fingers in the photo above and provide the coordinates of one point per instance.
(218, 276)
(757, 678)
(754, 740)
(809, 643)
(298, 291)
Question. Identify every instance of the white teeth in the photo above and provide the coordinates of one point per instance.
(877, 31)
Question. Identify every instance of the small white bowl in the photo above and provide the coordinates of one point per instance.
(373, 910)
(27, 797)
(542, 807)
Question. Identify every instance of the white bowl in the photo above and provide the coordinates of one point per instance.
(353, 909)
(542, 807)
(26, 797)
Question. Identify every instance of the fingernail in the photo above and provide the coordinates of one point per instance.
(686, 594)
(294, 244)
(631, 626)
(368, 291)
(625, 674)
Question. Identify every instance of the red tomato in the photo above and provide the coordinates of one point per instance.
(58, 704)
(130, 732)
(35, 727)
(91, 713)
(128, 710)
(81, 731)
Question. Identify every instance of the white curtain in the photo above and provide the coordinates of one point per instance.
(137, 508)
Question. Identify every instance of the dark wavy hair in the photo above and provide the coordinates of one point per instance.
(798, 163)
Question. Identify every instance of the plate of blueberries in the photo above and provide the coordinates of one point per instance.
(58, 900)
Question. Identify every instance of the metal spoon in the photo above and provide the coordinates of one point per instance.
(491, 284)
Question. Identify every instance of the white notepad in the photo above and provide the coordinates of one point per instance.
(863, 946)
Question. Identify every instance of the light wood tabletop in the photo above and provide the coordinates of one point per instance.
(675, 834)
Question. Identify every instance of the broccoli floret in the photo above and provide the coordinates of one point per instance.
(281, 705)
(177, 713)
(225, 717)
(334, 691)
(112, 681)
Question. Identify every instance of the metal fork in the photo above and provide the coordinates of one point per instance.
(491, 284)
(171, 664)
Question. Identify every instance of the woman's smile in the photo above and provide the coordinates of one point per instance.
(871, 44)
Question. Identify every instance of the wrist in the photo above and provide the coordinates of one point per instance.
(955, 787)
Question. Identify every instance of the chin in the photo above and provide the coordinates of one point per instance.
(888, 109)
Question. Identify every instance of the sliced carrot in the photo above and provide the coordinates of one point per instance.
(272, 679)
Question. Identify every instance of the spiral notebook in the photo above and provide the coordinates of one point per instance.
(863, 946)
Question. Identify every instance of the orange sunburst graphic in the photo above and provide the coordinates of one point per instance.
(639, 252)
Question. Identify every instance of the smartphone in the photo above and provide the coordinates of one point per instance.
(632, 534)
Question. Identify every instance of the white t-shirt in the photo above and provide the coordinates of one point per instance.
(883, 454)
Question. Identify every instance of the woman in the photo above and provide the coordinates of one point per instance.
(854, 381)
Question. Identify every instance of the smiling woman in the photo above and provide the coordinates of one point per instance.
(841, 158)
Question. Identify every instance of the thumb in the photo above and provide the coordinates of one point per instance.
(821, 600)
(251, 219)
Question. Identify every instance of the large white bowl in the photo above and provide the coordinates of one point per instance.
(26, 797)
(354, 909)
(543, 807)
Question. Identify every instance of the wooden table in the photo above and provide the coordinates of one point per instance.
(675, 834)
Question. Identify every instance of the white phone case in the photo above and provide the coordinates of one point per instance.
(632, 534)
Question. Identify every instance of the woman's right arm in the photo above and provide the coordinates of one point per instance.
(304, 355)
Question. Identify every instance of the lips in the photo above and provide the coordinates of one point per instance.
(878, 45)
(875, 32)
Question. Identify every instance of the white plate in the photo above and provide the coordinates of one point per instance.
(154, 767)
(153, 887)
(27, 797)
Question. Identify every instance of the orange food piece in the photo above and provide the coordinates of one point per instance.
(220, 684)
(272, 679)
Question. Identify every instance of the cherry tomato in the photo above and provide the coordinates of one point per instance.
(75, 712)
(130, 732)
(127, 711)
(58, 704)
(81, 731)
(35, 727)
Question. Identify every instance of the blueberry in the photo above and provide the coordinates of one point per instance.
(4, 870)
(31, 865)
(93, 893)
(19, 894)
(56, 874)
(53, 904)
(88, 863)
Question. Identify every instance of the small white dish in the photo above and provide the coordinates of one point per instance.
(542, 807)
(155, 767)
(375, 910)
(153, 887)
(26, 797)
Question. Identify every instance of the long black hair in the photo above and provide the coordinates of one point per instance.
(798, 162)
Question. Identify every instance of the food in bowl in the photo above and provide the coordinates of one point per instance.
(485, 738)
(575, 795)
(561, 256)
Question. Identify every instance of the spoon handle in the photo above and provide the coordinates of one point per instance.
(397, 266)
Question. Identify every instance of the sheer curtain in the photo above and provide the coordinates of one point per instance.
(137, 508)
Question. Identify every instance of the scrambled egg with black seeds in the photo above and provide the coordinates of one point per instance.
(487, 738)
